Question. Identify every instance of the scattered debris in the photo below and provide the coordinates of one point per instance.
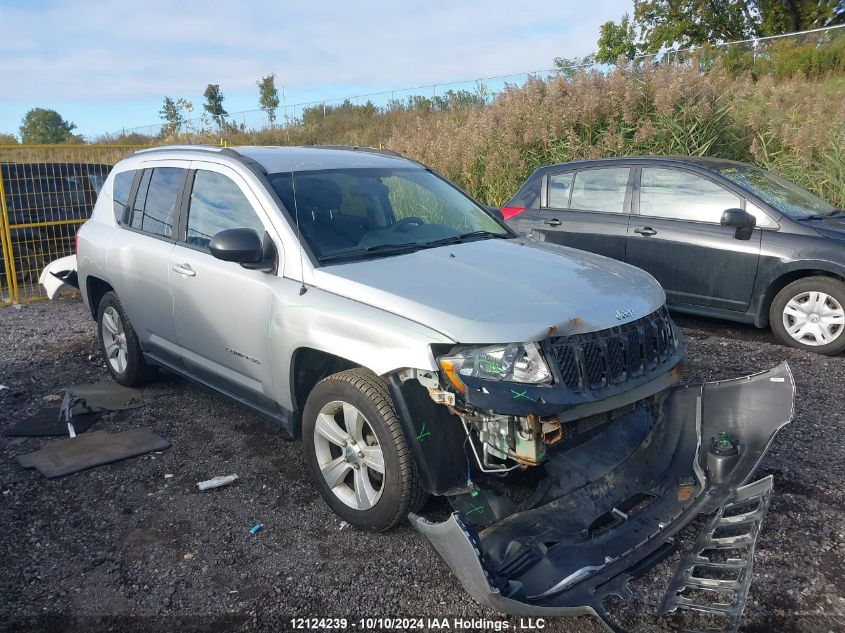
(168, 475)
(216, 482)
(108, 395)
(53, 397)
(256, 528)
(47, 422)
(2, 387)
(74, 454)
(343, 524)
(188, 556)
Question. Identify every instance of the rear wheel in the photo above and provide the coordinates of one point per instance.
(119, 343)
(810, 314)
(356, 451)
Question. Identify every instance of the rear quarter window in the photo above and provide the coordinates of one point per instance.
(120, 194)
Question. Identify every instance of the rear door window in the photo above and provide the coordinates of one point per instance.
(217, 203)
(600, 190)
(156, 202)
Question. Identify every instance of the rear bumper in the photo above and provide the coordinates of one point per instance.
(560, 555)
(59, 276)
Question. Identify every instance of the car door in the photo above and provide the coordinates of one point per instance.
(139, 253)
(587, 209)
(675, 234)
(222, 311)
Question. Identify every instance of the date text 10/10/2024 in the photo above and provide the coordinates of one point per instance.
(416, 624)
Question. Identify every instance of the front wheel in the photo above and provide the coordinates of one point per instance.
(810, 314)
(356, 451)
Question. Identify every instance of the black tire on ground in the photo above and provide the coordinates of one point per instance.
(834, 288)
(401, 492)
(136, 371)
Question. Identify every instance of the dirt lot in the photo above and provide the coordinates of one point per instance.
(124, 547)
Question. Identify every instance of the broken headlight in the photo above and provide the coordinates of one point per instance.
(514, 362)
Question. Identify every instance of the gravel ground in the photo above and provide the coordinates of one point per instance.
(124, 547)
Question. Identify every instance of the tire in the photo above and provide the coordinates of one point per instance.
(119, 343)
(810, 314)
(349, 428)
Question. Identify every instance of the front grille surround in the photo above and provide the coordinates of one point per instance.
(596, 361)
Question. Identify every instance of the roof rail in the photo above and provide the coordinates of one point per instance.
(358, 148)
(166, 148)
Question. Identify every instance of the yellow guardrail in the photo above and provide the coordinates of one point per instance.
(46, 193)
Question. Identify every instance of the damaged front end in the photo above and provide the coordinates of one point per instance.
(619, 477)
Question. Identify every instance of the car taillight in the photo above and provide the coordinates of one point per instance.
(509, 212)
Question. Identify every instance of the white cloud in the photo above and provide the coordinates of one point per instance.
(143, 49)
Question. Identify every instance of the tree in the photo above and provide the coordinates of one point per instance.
(173, 119)
(569, 66)
(8, 139)
(214, 104)
(46, 126)
(665, 24)
(268, 96)
(616, 40)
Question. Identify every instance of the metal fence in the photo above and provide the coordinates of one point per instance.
(46, 193)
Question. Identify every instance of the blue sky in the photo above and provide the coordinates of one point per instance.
(108, 65)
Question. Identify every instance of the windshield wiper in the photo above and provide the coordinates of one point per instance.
(822, 216)
(456, 239)
(375, 248)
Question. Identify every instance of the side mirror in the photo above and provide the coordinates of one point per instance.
(242, 246)
(742, 221)
(496, 212)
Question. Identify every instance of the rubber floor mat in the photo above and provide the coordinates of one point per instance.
(108, 395)
(45, 423)
(91, 449)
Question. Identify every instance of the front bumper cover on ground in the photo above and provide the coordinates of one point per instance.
(611, 507)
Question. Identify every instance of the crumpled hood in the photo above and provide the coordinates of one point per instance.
(499, 291)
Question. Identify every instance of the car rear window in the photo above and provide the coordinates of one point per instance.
(120, 193)
(600, 190)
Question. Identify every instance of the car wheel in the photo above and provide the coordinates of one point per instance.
(810, 314)
(356, 451)
(119, 343)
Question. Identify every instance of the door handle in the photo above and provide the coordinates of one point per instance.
(184, 269)
(553, 222)
(645, 230)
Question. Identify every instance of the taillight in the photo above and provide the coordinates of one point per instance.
(509, 212)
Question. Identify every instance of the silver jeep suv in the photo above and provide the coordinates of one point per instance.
(419, 347)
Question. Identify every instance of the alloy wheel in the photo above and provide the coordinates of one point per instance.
(114, 340)
(349, 455)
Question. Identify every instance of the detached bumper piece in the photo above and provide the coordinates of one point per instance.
(59, 276)
(713, 581)
(608, 509)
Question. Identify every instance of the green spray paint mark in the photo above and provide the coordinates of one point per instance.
(474, 493)
(423, 434)
(489, 365)
(522, 394)
(474, 510)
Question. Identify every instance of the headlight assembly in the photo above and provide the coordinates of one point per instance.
(513, 362)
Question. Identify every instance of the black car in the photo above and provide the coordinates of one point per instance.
(723, 238)
(45, 203)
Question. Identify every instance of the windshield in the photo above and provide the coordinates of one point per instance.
(365, 212)
(781, 194)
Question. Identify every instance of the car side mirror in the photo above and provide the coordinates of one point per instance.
(741, 220)
(242, 246)
(496, 212)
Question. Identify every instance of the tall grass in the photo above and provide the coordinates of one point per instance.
(793, 126)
